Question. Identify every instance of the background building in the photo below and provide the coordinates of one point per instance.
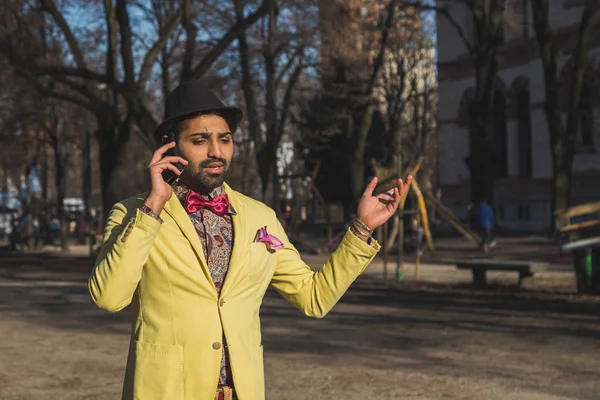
(523, 194)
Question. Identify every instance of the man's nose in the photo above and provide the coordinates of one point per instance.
(215, 149)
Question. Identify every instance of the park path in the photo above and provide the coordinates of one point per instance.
(434, 339)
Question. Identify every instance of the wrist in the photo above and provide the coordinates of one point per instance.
(360, 233)
(155, 203)
(363, 226)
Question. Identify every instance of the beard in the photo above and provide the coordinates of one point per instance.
(205, 181)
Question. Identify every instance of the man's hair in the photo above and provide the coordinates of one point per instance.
(183, 124)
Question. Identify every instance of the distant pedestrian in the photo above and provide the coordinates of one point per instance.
(82, 228)
(285, 213)
(485, 215)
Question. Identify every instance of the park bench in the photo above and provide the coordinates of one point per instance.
(577, 222)
(526, 269)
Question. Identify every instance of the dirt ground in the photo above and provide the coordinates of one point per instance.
(438, 338)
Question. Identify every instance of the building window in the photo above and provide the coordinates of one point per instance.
(523, 212)
(501, 213)
(524, 131)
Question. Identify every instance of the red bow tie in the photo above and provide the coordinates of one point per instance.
(194, 202)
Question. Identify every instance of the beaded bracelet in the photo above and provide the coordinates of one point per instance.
(363, 225)
(358, 230)
(362, 236)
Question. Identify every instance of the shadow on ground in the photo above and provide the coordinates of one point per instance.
(453, 330)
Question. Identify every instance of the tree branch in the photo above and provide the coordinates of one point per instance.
(233, 33)
(285, 106)
(156, 48)
(288, 64)
(111, 33)
(384, 38)
(126, 44)
(579, 64)
(190, 41)
(49, 6)
(82, 89)
(55, 70)
(62, 96)
(458, 28)
(249, 99)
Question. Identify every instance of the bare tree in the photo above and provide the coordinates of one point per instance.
(114, 85)
(488, 21)
(37, 123)
(281, 49)
(407, 88)
(563, 134)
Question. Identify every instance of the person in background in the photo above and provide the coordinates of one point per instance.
(416, 235)
(285, 213)
(485, 215)
(82, 228)
(18, 223)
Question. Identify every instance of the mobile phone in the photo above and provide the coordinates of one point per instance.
(169, 176)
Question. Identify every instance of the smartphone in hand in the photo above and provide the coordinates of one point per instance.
(169, 176)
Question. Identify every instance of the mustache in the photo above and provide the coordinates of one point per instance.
(211, 161)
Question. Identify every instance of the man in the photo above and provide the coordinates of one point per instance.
(485, 214)
(195, 258)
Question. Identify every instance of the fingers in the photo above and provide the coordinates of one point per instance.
(162, 166)
(403, 187)
(174, 169)
(401, 190)
(173, 159)
(158, 154)
(370, 187)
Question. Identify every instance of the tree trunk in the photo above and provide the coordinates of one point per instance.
(562, 162)
(61, 187)
(481, 158)
(562, 138)
(357, 162)
(112, 137)
(271, 108)
(254, 128)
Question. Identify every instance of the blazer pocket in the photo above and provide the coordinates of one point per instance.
(261, 260)
(158, 372)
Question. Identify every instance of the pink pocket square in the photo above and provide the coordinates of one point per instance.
(271, 241)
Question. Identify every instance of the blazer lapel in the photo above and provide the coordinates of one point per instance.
(178, 214)
(240, 242)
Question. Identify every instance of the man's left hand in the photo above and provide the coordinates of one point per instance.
(374, 211)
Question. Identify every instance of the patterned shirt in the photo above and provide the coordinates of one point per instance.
(216, 235)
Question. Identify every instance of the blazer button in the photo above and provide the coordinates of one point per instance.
(221, 302)
(216, 345)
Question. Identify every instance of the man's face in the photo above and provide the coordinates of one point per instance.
(207, 144)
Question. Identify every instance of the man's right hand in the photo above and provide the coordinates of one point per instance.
(161, 191)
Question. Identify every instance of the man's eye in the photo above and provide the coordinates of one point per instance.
(225, 140)
(202, 141)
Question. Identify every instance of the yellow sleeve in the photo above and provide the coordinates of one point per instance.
(315, 293)
(128, 238)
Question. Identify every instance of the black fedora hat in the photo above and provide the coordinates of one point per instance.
(193, 98)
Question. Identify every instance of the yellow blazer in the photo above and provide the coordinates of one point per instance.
(178, 319)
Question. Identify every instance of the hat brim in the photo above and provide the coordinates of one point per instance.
(232, 115)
